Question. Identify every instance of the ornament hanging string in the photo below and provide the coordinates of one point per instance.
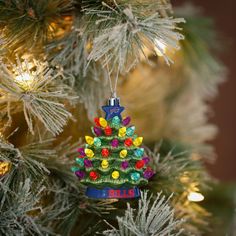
(113, 88)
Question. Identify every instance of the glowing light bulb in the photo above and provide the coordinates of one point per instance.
(160, 48)
(195, 197)
(24, 79)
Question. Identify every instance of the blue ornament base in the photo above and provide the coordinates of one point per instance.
(113, 193)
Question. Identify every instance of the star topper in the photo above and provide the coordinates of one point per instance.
(113, 108)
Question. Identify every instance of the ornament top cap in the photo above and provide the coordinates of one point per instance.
(113, 101)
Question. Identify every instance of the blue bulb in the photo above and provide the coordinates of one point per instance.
(115, 121)
(135, 176)
(97, 142)
(130, 131)
(79, 161)
(139, 152)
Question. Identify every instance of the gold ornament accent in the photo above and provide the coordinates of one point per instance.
(123, 153)
(4, 167)
(89, 152)
(122, 132)
(89, 140)
(105, 164)
(115, 174)
(102, 122)
(138, 141)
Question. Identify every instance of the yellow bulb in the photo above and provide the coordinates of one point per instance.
(103, 122)
(195, 197)
(123, 153)
(115, 174)
(89, 140)
(122, 132)
(138, 141)
(89, 152)
(4, 167)
(105, 164)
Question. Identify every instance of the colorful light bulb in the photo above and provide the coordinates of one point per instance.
(102, 122)
(115, 121)
(138, 141)
(126, 121)
(105, 152)
(115, 143)
(79, 161)
(130, 131)
(89, 153)
(135, 176)
(89, 140)
(122, 132)
(81, 152)
(123, 153)
(88, 163)
(74, 168)
(97, 131)
(128, 142)
(148, 173)
(80, 174)
(124, 165)
(97, 142)
(139, 152)
(139, 164)
(96, 121)
(115, 174)
(93, 175)
(105, 164)
(108, 131)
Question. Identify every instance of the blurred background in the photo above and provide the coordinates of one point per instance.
(224, 109)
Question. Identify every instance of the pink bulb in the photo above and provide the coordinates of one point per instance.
(97, 131)
(115, 143)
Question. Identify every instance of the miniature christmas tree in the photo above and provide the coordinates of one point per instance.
(112, 164)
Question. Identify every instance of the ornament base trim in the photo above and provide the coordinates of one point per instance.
(113, 193)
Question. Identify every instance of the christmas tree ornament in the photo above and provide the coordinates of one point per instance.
(114, 164)
(108, 131)
(5, 167)
(105, 152)
(130, 131)
(89, 140)
(97, 142)
(89, 153)
(122, 132)
(123, 153)
(138, 141)
(74, 168)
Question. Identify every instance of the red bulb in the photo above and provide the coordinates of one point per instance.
(93, 175)
(139, 164)
(128, 142)
(108, 130)
(105, 152)
(96, 120)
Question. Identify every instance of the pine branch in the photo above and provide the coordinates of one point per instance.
(41, 93)
(122, 33)
(154, 216)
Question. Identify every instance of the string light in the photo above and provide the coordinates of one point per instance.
(24, 79)
(160, 48)
(195, 197)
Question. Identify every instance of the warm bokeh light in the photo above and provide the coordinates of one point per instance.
(195, 197)
(160, 45)
(24, 79)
